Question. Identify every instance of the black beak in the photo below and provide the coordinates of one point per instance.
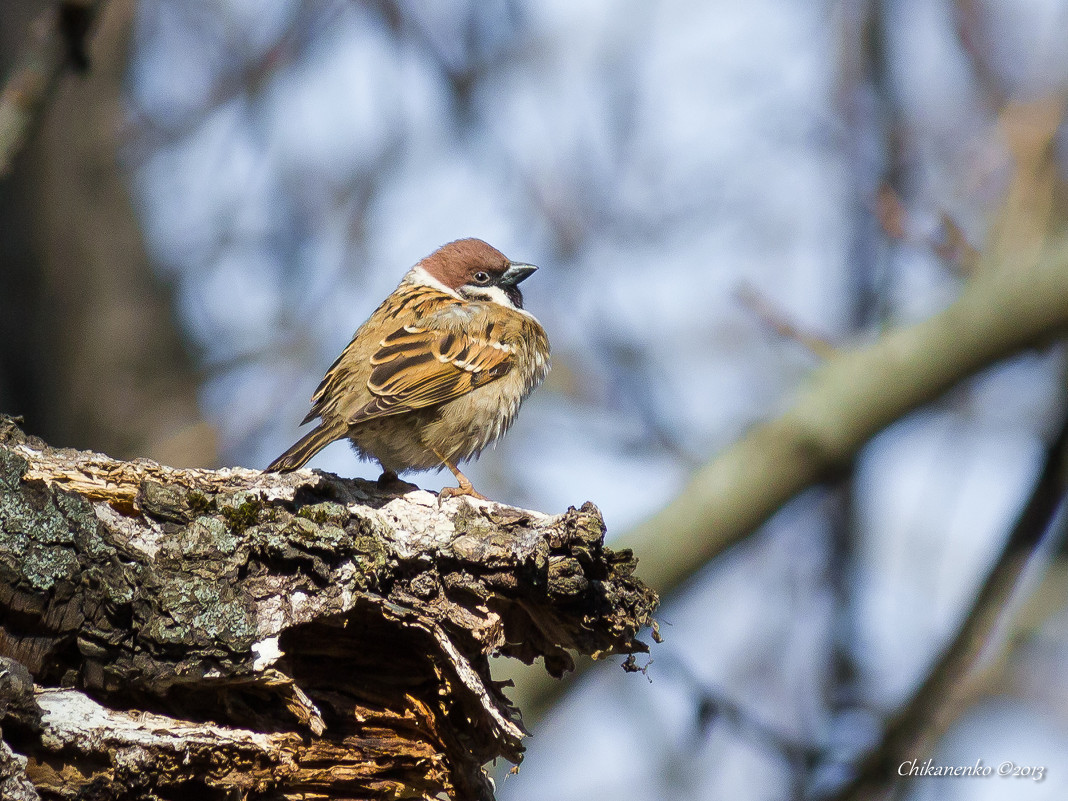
(516, 273)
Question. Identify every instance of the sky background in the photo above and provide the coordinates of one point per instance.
(660, 162)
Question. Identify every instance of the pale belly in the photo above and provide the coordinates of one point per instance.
(457, 430)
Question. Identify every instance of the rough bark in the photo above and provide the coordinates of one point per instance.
(220, 634)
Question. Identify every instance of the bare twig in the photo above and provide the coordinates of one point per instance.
(890, 212)
(953, 247)
(949, 242)
(1016, 299)
(845, 402)
(779, 322)
(714, 704)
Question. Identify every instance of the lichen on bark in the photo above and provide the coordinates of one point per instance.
(286, 636)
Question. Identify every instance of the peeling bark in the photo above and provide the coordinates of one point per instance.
(229, 633)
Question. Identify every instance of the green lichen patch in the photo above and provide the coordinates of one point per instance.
(207, 537)
(300, 533)
(621, 563)
(12, 469)
(567, 580)
(470, 521)
(83, 526)
(326, 512)
(190, 610)
(44, 567)
(40, 535)
(369, 549)
(171, 502)
(198, 502)
(112, 587)
(241, 510)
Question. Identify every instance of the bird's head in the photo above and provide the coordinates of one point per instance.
(476, 270)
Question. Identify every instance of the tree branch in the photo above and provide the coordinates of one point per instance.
(56, 41)
(845, 403)
(287, 636)
(913, 730)
(1017, 298)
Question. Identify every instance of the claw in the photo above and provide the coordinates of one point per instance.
(454, 492)
(465, 487)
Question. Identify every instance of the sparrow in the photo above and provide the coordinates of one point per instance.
(437, 372)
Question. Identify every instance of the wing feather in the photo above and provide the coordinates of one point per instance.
(424, 365)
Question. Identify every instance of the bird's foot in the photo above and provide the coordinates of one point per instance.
(453, 492)
(465, 487)
(390, 482)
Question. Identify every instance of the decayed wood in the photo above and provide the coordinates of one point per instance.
(231, 633)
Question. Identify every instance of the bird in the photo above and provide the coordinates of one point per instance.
(437, 372)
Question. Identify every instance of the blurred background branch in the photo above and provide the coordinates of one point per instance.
(846, 401)
(56, 41)
(915, 728)
(91, 353)
(1017, 300)
(843, 405)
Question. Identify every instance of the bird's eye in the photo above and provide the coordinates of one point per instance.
(482, 277)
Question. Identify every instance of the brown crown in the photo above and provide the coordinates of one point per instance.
(454, 264)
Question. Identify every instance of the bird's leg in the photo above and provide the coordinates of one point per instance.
(390, 482)
(465, 487)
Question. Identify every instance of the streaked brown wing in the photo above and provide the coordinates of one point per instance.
(416, 367)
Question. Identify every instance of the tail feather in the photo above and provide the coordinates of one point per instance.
(306, 447)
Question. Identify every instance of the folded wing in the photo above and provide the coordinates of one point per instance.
(420, 365)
